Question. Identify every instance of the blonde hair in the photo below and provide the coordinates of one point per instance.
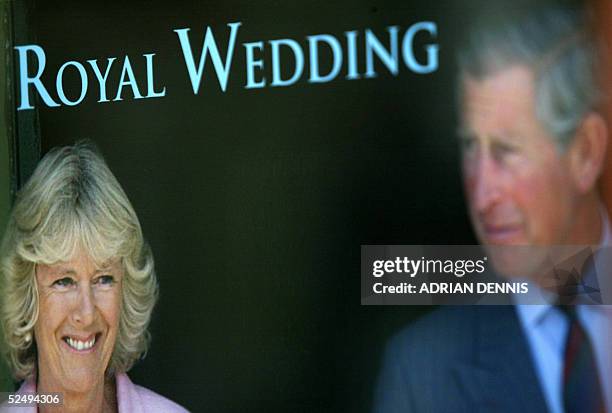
(73, 202)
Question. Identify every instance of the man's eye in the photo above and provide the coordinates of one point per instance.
(64, 282)
(467, 143)
(105, 280)
(501, 150)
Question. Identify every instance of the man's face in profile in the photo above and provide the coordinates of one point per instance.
(517, 182)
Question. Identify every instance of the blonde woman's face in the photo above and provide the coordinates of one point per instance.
(78, 321)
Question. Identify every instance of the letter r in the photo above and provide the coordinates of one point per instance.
(25, 80)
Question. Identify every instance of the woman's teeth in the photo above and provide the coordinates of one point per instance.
(80, 345)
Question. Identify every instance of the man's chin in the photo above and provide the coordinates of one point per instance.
(507, 237)
(516, 261)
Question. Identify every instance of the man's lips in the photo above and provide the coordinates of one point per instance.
(501, 234)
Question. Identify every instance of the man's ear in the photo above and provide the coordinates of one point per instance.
(587, 151)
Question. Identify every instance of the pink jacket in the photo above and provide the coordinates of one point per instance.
(131, 398)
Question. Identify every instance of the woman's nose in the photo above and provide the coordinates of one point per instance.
(84, 310)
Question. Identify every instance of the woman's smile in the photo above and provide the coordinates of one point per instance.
(82, 346)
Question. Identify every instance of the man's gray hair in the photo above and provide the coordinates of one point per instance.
(555, 42)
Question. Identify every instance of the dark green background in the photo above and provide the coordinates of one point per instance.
(256, 202)
(6, 133)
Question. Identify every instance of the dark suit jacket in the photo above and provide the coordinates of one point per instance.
(460, 359)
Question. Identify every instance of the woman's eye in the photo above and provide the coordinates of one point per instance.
(64, 282)
(105, 280)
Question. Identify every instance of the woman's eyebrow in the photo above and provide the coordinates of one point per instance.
(106, 266)
(63, 271)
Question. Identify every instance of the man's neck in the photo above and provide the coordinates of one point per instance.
(587, 225)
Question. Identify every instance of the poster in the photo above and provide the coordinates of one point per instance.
(261, 144)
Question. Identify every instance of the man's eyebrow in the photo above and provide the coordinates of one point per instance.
(464, 132)
(507, 137)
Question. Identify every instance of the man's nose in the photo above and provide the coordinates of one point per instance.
(486, 183)
(84, 310)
